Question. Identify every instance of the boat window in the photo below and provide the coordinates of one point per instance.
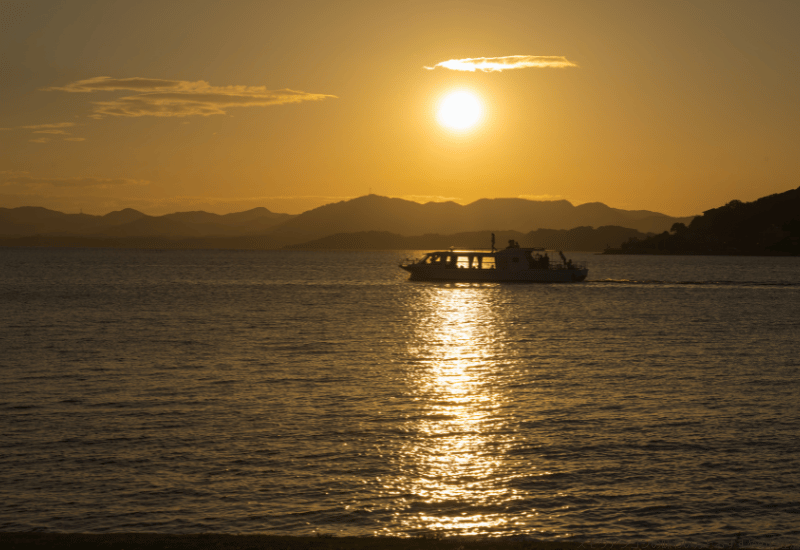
(463, 262)
(487, 262)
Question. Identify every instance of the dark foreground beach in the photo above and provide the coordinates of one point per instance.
(148, 541)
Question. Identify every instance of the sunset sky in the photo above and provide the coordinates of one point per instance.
(163, 106)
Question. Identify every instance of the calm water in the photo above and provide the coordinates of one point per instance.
(302, 392)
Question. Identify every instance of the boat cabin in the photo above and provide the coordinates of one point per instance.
(510, 258)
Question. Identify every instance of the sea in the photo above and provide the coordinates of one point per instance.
(323, 393)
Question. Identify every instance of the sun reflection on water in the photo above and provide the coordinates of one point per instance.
(453, 474)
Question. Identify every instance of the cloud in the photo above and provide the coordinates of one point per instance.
(73, 182)
(49, 126)
(430, 198)
(179, 98)
(540, 197)
(41, 128)
(106, 83)
(497, 64)
(51, 132)
(56, 128)
(74, 139)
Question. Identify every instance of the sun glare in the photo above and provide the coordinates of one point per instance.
(459, 110)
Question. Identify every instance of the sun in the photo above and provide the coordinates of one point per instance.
(460, 110)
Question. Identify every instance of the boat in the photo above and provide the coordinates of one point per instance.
(511, 264)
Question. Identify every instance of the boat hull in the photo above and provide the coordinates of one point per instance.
(421, 272)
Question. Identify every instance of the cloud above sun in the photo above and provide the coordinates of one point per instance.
(497, 64)
(179, 98)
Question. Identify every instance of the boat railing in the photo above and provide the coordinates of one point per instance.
(552, 265)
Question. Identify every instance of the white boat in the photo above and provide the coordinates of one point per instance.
(512, 264)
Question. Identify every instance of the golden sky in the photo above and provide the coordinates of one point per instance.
(163, 106)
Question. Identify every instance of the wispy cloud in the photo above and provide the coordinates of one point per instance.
(43, 128)
(497, 64)
(430, 198)
(180, 98)
(48, 126)
(73, 182)
(62, 132)
(55, 128)
(74, 139)
(540, 197)
(106, 83)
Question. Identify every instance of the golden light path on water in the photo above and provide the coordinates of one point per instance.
(457, 472)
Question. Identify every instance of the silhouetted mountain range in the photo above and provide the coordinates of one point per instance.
(31, 220)
(34, 226)
(767, 226)
(376, 213)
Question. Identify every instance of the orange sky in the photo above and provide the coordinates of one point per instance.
(673, 106)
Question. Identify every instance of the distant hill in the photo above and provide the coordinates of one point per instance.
(119, 217)
(150, 226)
(28, 221)
(376, 213)
(371, 213)
(157, 243)
(767, 226)
(579, 238)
